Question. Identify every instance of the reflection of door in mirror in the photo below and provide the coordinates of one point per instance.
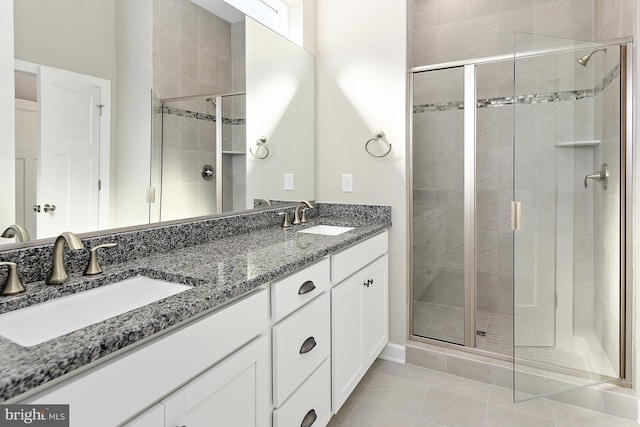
(58, 152)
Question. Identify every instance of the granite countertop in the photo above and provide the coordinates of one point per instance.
(219, 271)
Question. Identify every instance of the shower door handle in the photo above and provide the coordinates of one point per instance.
(516, 216)
(602, 176)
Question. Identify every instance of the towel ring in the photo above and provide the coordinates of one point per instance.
(260, 143)
(377, 137)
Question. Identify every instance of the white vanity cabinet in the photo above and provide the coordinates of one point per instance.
(359, 314)
(206, 364)
(233, 393)
(301, 345)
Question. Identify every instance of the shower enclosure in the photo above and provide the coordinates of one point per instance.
(519, 188)
(199, 145)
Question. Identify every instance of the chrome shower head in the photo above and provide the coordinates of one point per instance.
(585, 59)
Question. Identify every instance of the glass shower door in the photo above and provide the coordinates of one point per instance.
(438, 205)
(566, 214)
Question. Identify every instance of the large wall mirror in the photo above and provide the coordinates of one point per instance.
(131, 112)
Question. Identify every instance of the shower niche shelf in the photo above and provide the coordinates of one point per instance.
(572, 144)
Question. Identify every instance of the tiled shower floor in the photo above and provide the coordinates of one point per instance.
(582, 351)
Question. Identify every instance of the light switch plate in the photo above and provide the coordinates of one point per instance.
(288, 182)
(347, 183)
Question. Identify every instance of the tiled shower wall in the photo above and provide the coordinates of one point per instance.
(192, 55)
(447, 30)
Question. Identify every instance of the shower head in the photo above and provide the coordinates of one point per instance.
(585, 59)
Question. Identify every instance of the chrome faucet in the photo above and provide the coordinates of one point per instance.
(16, 230)
(296, 218)
(58, 274)
(265, 201)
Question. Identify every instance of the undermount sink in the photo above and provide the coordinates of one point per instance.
(326, 230)
(39, 323)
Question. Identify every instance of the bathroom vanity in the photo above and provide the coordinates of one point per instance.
(277, 330)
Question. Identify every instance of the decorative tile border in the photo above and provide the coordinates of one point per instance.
(538, 98)
(200, 116)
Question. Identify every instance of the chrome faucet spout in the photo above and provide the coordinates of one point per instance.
(58, 273)
(16, 230)
(296, 218)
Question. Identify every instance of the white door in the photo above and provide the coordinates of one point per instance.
(234, 393)
(375, 310)
(69, 153)
(26, 163)
(152, 417)
(347, 367)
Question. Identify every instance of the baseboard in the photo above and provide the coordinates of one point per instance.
(393, 353)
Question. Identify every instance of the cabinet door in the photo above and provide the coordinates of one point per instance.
(234, 393)
(347, 367)
(375, 309)
(153, 417)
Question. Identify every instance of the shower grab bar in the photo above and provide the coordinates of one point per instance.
(379, 135)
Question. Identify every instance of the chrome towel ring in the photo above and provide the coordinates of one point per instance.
(261, 143)
(379, 136)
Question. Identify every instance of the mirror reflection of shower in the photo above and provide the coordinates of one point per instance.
(201, 132)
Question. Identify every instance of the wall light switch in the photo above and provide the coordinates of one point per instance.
(347, 183)
(288, 182)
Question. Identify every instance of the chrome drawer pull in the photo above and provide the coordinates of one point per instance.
(308, 345)
(306, 287)
(309, 419)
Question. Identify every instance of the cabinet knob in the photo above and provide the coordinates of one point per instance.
(308, 345)
(309, 419)
(306, 287)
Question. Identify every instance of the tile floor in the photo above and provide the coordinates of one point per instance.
(395, 395)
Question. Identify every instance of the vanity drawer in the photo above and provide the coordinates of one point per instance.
(313, 398)
(352, 259)
(295, 290)
(300, 344)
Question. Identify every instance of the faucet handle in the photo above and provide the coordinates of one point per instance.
(304, 215)
(92, 266)
(12, 286)
(285, 222)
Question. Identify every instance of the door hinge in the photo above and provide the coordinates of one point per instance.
(99, 185)
(100, 106)
(556, 300)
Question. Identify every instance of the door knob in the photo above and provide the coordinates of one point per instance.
(49, 208)
(36, 208)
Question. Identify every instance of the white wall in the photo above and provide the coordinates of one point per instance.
(135, 80)
(361, 88)
(7, 115)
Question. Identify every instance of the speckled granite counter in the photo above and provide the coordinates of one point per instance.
(219, 270)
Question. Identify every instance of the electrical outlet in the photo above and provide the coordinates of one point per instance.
(347, 183)
(288, 182)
